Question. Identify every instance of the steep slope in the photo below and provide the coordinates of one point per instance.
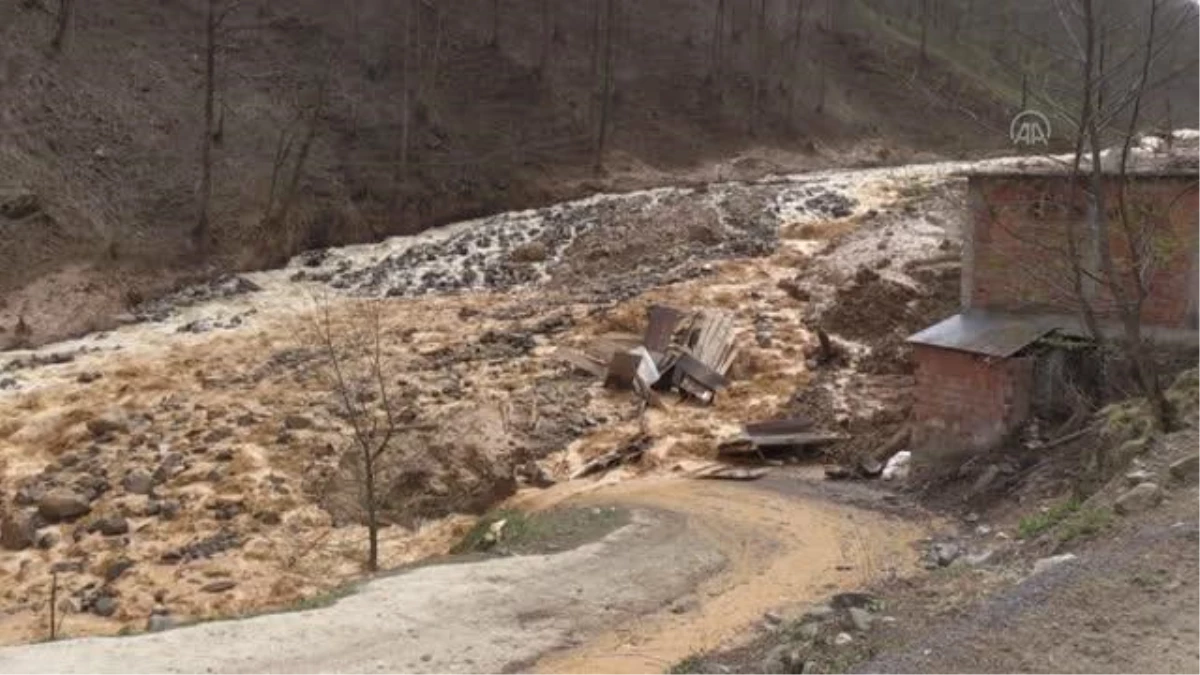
(100, 143)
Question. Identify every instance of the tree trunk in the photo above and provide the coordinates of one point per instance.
(66, 9)
(547, 39)
(494, 41)
(718, 37)
(924, 30)
(596, 47)
(606, 92)
(372, 510)
(200, 234)
(797, 65)
(760, 71)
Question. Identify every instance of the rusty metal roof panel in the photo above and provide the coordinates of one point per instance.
(990, 333)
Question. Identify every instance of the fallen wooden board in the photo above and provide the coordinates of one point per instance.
(785, 426)
(701, 373)
(660, 326)
(724, 472)
(747, 444)
(581, 361)
(629, 452)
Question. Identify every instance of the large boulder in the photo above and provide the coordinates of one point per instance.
(1143, 497)
(18, 531)
(109, 526)
(1186, 470)
(139, 481)
(19, 205)
(61, 504)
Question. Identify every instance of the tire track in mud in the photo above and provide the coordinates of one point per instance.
(781, 551)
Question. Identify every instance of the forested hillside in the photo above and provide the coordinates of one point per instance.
(144, 141)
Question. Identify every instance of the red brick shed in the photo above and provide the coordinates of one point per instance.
(974, 373)
(975, 377)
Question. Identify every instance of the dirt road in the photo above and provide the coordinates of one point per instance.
(699, 562)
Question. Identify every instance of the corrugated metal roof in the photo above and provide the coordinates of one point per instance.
(993, 333)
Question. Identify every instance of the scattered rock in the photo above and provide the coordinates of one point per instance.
(219, 586)
(808, 630)
(116, 568)
(18, 531)
(1053, 561)
(824, 612)
(296, 422)
(89, 376)
(160, 619)
(784, 658)
(1141, 498)
(945, 553)
(20, 205)
(794, 290)
(980, 558)
(985, 479)
(534, 251)
(138, 482)
(104, 605)
(861, 619)
(61, 504)
(168, 509)
(1139, 476)
(848, 600)
(217, 435)
(203, 548)
(1186, 470)
(842, 639)
(47, 540)
(106, 425)
(109, 526)
(172, 465)
(67, 566)
(772, 618)
(898, 466)
(838, 472)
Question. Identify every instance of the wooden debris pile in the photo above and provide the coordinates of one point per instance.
(687, 352)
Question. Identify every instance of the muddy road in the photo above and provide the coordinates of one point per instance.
(699, 563)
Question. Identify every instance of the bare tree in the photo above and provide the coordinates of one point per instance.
(924, 31)
(215, 13)
(353, 356)
(494, 39)
(547, 38)
(66, 13)
(288, 167)
(718, 38)
(1114, 260)
(760, 74)
(606, 85)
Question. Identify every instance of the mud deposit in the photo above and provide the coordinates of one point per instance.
(192, 461)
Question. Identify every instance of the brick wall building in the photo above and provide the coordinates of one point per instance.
(1016, 255)
(975, 371)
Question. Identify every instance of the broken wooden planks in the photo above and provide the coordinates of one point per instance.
(727, 472)
(774, 434)
(629, 452)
